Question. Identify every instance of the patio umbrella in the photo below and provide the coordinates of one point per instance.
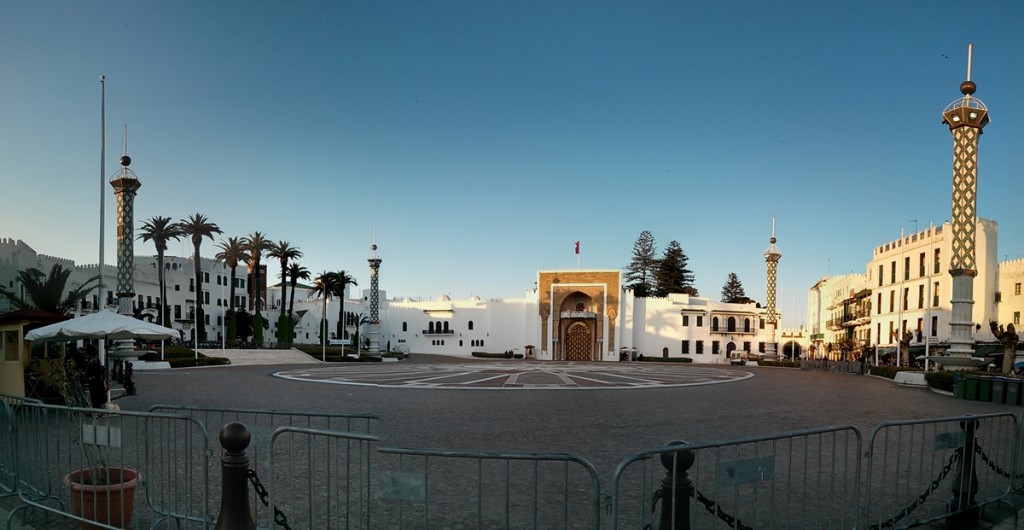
(104, 324)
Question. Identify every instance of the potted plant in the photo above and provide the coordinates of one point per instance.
(99, 492)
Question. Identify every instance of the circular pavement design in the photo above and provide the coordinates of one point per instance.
(517, 375)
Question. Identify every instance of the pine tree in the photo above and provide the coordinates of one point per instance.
(671, 274)
(732, 291)
(640, 272)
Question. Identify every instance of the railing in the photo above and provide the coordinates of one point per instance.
(438, 332)
(318, 471)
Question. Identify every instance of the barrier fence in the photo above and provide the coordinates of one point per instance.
(327, 472)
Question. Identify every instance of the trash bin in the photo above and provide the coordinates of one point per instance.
(1012, 391)
(959, 386)
(984, 389)
(998, 389)
(970, 387)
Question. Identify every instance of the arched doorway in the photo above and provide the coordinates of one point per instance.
(579, 341)
(729, 348)
(791, 350)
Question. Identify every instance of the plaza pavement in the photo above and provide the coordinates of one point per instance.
(603, 425)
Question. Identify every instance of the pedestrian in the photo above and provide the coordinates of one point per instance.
(97, 382)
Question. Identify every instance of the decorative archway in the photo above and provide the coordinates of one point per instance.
(791, 350)
(579, 342)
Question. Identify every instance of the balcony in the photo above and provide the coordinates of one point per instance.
(577, 314)
(438, 332)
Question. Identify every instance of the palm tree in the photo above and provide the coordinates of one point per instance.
(45, 292)
(342, 279)
(323, 288)
(296, 272)
(231, 253)
(284, 252)
(197, 227)
(255, 245)
(160, 230)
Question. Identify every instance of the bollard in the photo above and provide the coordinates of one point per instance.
(676, 488)
(965, 483)
(234, 465)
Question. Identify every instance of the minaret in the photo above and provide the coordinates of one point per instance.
(966, 117)
(771, 259)
(375, 261)
(125, 184)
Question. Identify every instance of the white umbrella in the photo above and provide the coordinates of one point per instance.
(104, 324)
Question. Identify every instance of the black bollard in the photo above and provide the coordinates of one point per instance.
(676, 488)
(234, 465)
(965, 483)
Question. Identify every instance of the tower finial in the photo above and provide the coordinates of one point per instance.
(125, 159)
(970, 52)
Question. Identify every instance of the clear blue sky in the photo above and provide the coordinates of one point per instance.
(482, 139)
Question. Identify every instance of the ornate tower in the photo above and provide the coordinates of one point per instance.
(771, 259)
(966, 117)
(374, 334)
(125, 184)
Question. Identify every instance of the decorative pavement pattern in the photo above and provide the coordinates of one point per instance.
(517, 375)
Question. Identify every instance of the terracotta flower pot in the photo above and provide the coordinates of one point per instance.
(110, 504)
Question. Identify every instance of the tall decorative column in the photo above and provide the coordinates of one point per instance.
(966, 117)
(771, 259)
(374, 323)
(125, 184)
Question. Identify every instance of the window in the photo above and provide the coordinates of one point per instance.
(220, 320)
(879, 303)
(906, 294)
(714, 324)
(445, 329)
(177, 311)
(881, 274)
(405, 326)
(920, 266)
(746, 325)
(935, 326)
(714, 347)
(892, 301)
(879, 329)
(935, 295)
(10, 346)
(700, 321)
(700, 346)
(206, 277)
(686, 320)
(920, 296)
(760, 347)
(206, 319)
(470, 325)
(731, 324)
(936, 262)
(761, 323)
(206, 297)
(892, 331)
(460, 343)
(191, 285)
(430, 327)
(686, 346)
(906, 268)
(892, 272)
(1016, 318)
(1016, 288)
(746, 345)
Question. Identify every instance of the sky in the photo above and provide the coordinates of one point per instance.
(481, 140)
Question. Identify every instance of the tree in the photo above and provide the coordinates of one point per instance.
(46, 292)
(324, 288)
(341, 280)
(232, 252)
(640, 271)
(671, 274)
(255, 245)
(732, 291)
(284, 252)
(160, 230)
(197, 226)
(296, 272)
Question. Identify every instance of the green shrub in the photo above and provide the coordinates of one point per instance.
(940, 380)
(665, 359)
(487, 355)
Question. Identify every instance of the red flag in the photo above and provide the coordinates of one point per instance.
(577, 248)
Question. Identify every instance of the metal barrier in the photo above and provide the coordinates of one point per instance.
(946, 468)
(841, 367)
(9, 406)
(422, 488)
(801, 479)
(318, 479)
(261, 424)
(60, 449)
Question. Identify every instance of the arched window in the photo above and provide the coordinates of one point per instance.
(746, 325)
(446, 325)
(405, 326)
(714, 324)
(731, 324)
(471, 325)
(460, 343)
(580, 307)
(430, 327)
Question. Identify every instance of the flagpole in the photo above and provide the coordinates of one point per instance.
(101, 343)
